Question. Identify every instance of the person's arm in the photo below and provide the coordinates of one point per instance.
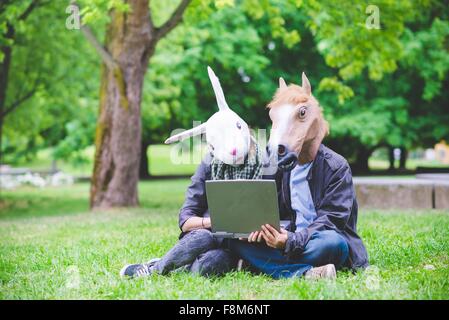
(333, 212)
(196, 223)
(195, 204)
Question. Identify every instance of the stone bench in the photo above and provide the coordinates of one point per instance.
(401, 193)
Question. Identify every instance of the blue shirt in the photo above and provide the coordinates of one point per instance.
(301, 198)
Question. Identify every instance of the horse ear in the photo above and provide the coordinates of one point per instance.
(282, 83)
(306, 84)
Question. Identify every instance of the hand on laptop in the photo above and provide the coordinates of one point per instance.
(255, 236)
(273, 238)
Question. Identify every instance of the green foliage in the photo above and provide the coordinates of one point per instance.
(407, 106)
(344, 92)
(60, 66)
(272, 11)
(426, 54)
(96, 11)
(177, 89)
(349, 45)
(377, 86)
(78, 137)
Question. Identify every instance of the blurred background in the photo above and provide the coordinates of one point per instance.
(380, 73)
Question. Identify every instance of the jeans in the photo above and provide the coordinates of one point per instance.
(199, 252)
(323, 248)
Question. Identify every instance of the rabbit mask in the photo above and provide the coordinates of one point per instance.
(227, 135)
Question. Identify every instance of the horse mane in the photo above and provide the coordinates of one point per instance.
(293, 94)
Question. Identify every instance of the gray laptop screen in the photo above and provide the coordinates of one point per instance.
(242, 206)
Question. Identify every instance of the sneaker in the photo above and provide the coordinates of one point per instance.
(138, 270)
(242, 265)
(323, 272)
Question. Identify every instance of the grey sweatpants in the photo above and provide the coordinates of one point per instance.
(200, 252)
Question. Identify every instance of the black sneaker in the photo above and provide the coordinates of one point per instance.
(138, 270)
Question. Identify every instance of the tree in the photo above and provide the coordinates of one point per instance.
(126, 55)
(52, 68)
(406, 108)
(177, 88)
(363, 83)
(379, 88)
(131, 39)
(12, 15)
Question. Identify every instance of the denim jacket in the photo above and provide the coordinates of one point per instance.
(333, 194)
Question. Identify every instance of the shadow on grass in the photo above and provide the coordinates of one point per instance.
(29, 202)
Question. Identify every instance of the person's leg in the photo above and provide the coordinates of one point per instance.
(186, 251)
(214, 262)
(325, 247)
(267, 260)
(182, 254)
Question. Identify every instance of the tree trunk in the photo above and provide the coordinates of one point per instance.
(403, 158)
(130, 42)
(144, 170)
(391, 158)
(363, 155)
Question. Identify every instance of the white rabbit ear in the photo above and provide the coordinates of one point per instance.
(221, 101)
(282, 83)
(187, 134)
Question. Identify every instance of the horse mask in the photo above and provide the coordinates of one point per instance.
(298, 124)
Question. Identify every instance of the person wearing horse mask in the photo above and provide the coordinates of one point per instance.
(316, 196)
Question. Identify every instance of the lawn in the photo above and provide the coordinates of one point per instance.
(161, 163)
(52, 247)
(184, 161)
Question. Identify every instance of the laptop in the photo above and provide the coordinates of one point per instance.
(239, 207)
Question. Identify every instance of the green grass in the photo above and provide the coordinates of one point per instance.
(52, 247)
(43, 162)
(411, 164)
(160, 162)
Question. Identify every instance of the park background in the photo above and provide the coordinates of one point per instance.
(132, 71)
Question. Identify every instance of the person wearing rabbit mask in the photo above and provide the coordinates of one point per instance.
(234, 154)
